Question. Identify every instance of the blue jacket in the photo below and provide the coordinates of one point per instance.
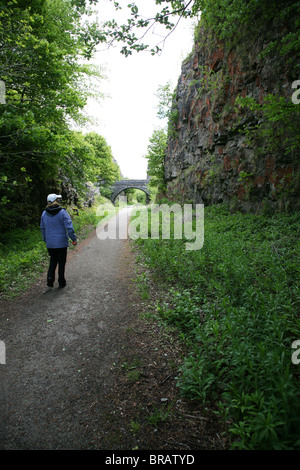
(56, 226)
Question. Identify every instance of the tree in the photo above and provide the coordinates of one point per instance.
(158, 141)
(156, 157)
(102, 168)
(226, 19)
(43, 47)
(128, 33)
(165, 97)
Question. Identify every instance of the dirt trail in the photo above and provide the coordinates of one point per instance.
(63, 386)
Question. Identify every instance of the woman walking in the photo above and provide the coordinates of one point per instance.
(56, 227)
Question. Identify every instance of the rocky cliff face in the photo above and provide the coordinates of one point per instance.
(209, 158)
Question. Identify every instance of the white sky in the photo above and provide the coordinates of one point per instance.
(128, 117)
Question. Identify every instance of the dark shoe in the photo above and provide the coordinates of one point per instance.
(61, 286)
(49, 282)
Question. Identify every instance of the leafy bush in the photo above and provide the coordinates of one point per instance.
(235, 303)
(22, 255)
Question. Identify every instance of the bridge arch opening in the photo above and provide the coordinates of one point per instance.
(127, 190)
(123, 185)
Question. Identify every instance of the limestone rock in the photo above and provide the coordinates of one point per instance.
(209, 158)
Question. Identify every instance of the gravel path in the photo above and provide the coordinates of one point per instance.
(60, 348)
(84, 370)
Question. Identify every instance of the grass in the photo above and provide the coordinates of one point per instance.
(160, 415)
(132, 372)
(23, 254)
(235, 303)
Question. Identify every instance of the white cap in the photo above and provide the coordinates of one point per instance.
(52, 197)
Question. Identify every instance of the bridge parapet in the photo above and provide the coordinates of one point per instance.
(122, 185)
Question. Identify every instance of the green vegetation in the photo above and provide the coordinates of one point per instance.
(235, 304)
(102, 168)
(158, 142)
(159, 415)
(270, 123)
(45, 47)
(156, 156)
(22, 257)
(166, 110)
(226, 20)
(132, 196)
(275, 124)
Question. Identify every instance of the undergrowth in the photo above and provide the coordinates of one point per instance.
(235, 303)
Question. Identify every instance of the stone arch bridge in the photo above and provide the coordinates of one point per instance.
(121, 185)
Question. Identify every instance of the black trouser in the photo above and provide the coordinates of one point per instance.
(57, 256)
